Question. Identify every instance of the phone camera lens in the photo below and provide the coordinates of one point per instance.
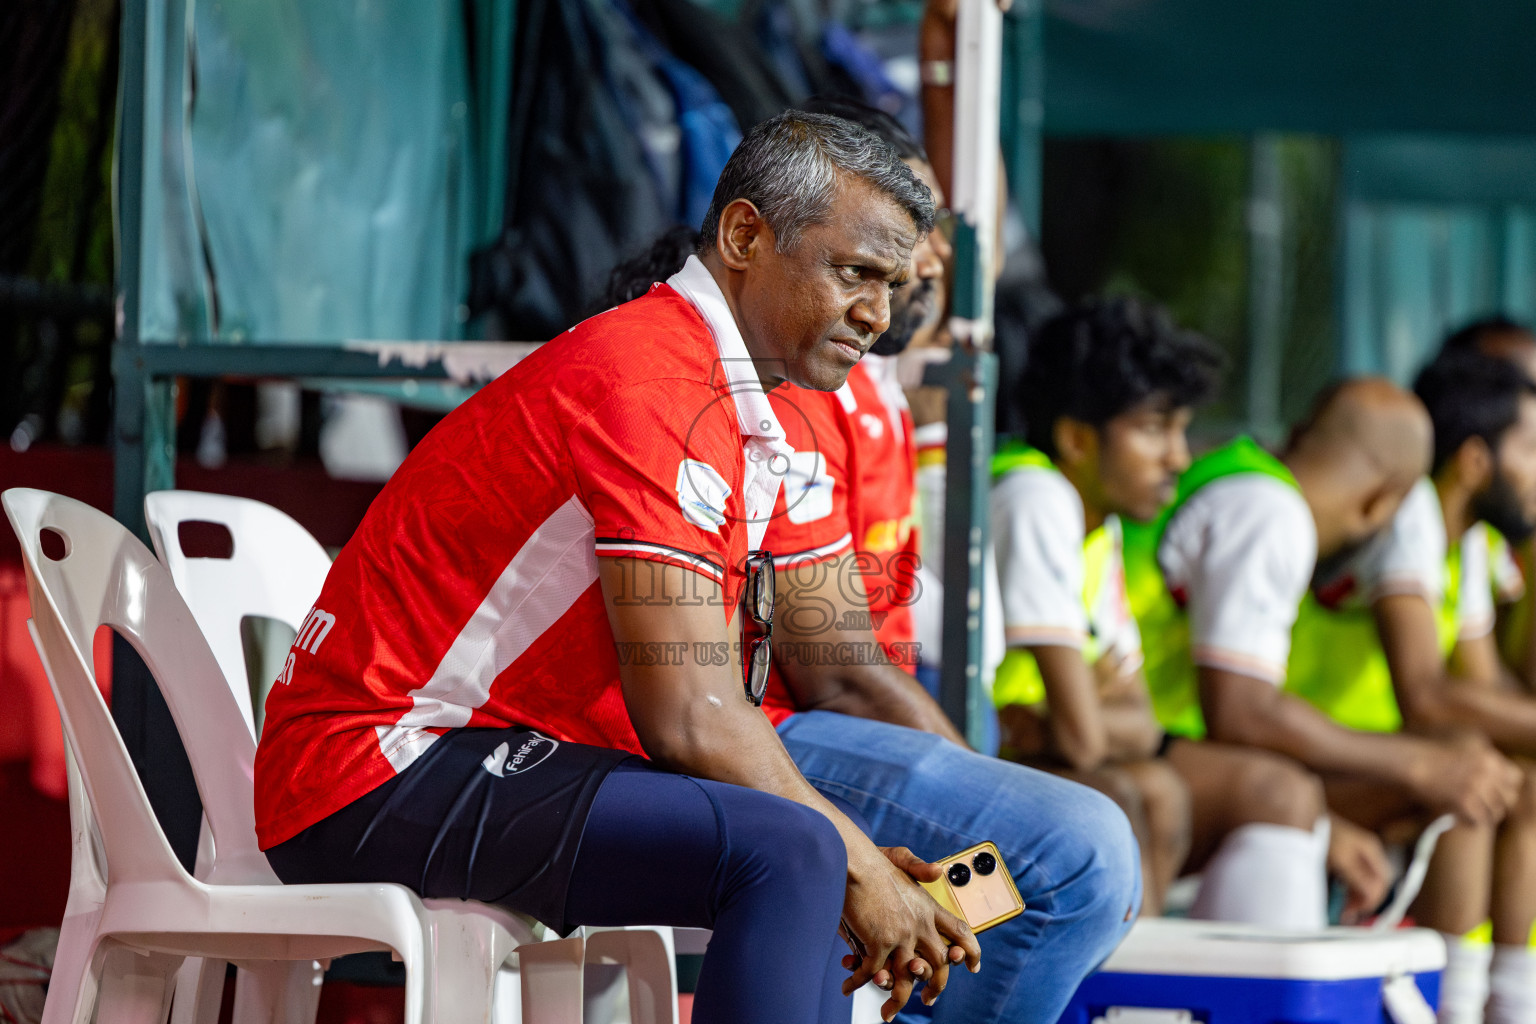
(959, 875)
(984, 863)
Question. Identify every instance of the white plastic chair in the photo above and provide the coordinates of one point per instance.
(275, 571)
(134, 913)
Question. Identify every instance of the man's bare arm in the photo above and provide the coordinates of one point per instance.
(1471, 780)
(692, 716)
(1431, 700)
(828, 667)
(1093, 715)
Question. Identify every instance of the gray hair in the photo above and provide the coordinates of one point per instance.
(789, 166)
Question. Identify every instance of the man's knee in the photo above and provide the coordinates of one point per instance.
(1121, 787)
(1277, 791)
(1523, 812)
(1166, 803)
(784, 840)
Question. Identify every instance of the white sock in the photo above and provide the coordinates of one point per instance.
(1512, 986)
(1270, 875)
(1464, 985)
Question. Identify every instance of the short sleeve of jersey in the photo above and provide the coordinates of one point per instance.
(1113, 622)
(1504, 568)
(1474, 608)
(1038, 520)
(1409, 557)
(658, 469)
(811, 521)
(1241, 551)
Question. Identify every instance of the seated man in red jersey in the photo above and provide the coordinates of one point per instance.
(860, 726)
(515, 695)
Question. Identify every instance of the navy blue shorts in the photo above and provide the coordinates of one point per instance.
(494, 815)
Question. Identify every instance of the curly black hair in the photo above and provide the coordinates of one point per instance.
(1102, 358)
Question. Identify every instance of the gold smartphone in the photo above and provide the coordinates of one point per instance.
(976, 887)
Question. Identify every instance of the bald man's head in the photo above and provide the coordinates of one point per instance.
(1356, 457)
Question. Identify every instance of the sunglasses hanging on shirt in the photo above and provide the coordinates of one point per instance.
(757, 625)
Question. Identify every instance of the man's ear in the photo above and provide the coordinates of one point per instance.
(1474, 463)
(1076, 441)
(742, 232)
(1382, 503)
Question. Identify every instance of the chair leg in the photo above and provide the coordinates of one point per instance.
(551, 974)
(73, 983)
(277, 992)
(466, 952)
(648, 961)
(199, 991)
(136, 987)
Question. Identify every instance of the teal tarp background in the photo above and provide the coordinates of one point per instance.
(323, 169)
(1436, 230)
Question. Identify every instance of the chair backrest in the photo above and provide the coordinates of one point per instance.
(96, 574)
(275, 571)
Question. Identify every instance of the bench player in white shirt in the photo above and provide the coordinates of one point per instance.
(1107, 393)
(1402, 638)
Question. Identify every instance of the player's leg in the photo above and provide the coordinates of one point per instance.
(1259, 834)
(1512, 977)
(1168, 811)
(1070, 850)
(1454, 899)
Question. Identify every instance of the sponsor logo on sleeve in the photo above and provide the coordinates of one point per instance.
(701, 494)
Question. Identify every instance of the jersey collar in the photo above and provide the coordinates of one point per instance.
(767, 450)
(754, 414)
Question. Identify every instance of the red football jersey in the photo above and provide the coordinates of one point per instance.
(469, 594)
(851, 487)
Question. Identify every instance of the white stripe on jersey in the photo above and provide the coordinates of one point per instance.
(553, 568)
(697, 562)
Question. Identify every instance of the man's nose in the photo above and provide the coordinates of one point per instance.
(1178, 455)
(873, 311)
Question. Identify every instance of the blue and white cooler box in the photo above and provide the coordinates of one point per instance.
(1171, 971)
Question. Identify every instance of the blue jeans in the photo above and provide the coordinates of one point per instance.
(1070, 850)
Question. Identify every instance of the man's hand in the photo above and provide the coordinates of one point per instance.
(1356, 857)
(1468, 778)
(904, 935)
(1110, 677)
(921, 871)
(1025, 732)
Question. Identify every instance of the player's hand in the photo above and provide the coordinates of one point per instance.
(899, 934)
(1110, 677)
(1469, 778)
(1356, 857)
(1024, 732)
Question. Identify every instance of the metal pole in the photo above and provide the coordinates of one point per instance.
(972, 373)
(1266, 286)
(142, 451)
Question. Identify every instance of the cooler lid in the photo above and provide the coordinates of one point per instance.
(1170, 946)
